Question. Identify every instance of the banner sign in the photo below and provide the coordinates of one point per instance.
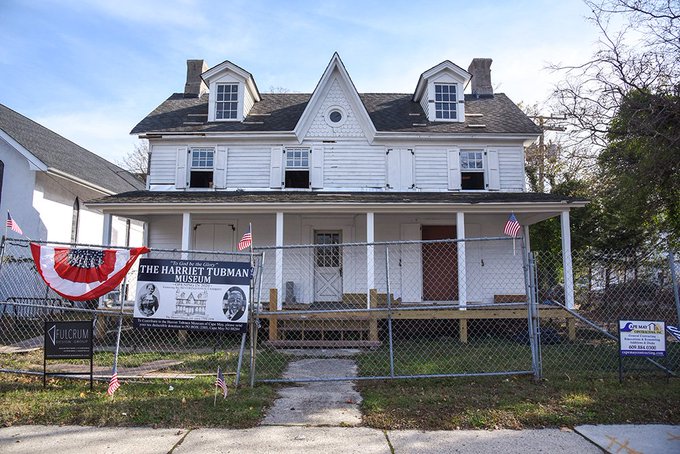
(642, 338)
(68, 340)
(192, 295)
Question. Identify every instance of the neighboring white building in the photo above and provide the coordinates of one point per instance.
(339, 166)
(46, 179)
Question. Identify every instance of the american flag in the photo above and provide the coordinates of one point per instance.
(246, 241)
(512, 227)
(114, 384)
(219, 383)
(12, 224)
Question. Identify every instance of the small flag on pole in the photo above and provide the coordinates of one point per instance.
(246, 241)
(219, 383)
(114, 384)
(512, 227)
(12, 225)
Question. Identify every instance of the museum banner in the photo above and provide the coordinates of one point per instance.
(194, 295)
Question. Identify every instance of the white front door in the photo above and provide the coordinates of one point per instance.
(327, 267)
(212, 236)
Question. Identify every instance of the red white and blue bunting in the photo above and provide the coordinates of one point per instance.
(83, 274)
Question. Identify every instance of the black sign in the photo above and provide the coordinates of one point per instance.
(68, 340)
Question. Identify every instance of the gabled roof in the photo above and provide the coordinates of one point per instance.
(226, 66)
(63, 156)
(389, 112)
(334, 66)
(446, 65)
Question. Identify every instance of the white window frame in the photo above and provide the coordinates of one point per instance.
(297, 159)
(451, 103)
(202, 165)
(228, 100)
(479, 161)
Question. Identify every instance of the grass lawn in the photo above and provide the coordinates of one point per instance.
(156, 403)
(581, 387)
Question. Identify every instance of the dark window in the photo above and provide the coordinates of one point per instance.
(328, 256)
(201, 179)
(472, 180)
(202, 161)
(297, 168)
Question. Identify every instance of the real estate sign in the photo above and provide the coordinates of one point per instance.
(642, 338)
(192, 295)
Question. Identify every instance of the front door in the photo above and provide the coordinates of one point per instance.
(440, 264)
(327, 267)
(212, 236)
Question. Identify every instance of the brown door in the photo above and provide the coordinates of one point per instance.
(440, 264)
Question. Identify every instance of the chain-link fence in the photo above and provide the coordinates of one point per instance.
(394, 308)
(400, 309)
(26, 303)
(608, 286)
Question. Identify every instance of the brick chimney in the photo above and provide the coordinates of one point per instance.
(195, 85)
(480, 68)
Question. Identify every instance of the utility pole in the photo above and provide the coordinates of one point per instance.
(544, 122)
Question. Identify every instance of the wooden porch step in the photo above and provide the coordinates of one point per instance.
(323, 343)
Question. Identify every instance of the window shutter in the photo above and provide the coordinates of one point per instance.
(276, 172)
(454, 168)
(494, 180)
(393, 176)
(316, 167)
(220, 172)
(407, 169)
(181, 169)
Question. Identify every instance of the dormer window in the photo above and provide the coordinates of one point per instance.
(202, 165)
(226, 104)
(445, 101)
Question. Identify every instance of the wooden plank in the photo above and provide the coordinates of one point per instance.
(463, 330)
(324, 344)
(273, 321)
(571, 328)
(373, 323)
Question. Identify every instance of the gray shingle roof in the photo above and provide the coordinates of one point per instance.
(390, 112)
(264, 197)
(63, 155)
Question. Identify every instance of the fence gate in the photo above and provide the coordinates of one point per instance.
(399, 314)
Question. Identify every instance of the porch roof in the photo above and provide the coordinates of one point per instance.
(297, 201)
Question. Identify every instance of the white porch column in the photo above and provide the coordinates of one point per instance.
(370, 257)
(107, 230)
(186, 234)
(279, 260)
(462, 276)
(566, 261)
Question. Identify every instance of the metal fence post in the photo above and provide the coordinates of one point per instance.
(674, 280)
(389, 308)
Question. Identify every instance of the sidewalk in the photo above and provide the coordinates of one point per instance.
(649, 439)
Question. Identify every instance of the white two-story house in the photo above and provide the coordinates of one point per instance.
(339, 166)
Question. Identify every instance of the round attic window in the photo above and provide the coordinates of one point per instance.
(335, 116)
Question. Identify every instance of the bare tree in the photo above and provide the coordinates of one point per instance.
(137, 160)
(638, 50)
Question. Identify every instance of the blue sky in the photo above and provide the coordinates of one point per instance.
(90, 70)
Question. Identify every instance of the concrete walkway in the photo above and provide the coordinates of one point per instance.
(331, 403)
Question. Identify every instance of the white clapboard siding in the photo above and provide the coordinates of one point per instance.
(354, 168)
(248, 167)
(431, 169)
(511, 163)
(163, 164)
(165, 232)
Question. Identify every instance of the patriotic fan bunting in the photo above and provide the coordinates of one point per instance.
(83, 274)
